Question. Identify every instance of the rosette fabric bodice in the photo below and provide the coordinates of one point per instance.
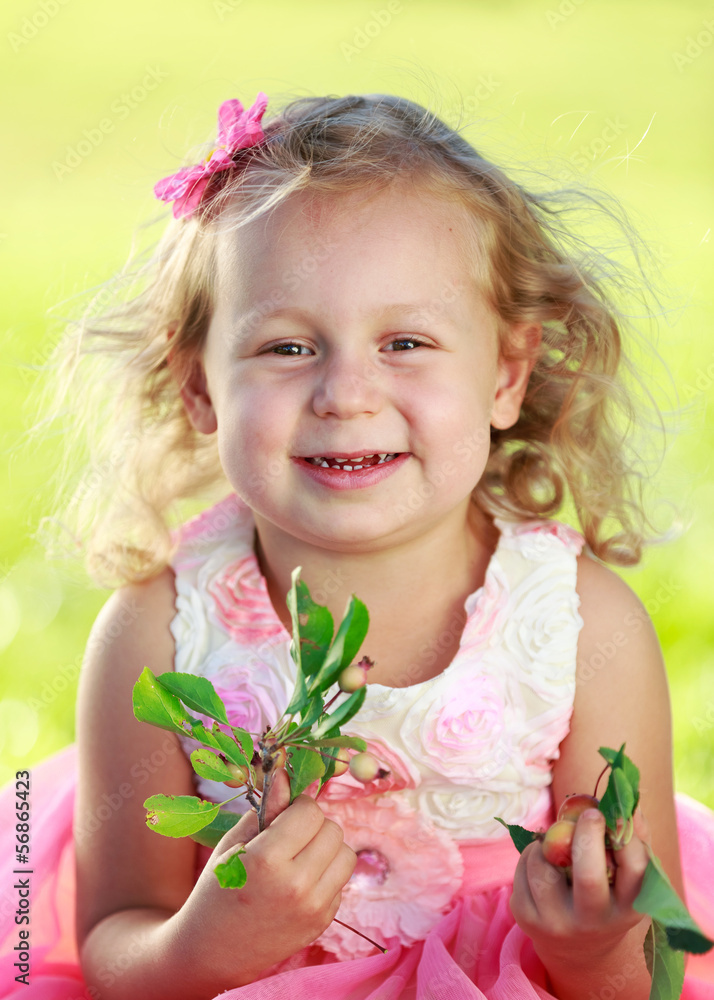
(474, 742)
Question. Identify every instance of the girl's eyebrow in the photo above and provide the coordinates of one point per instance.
(436, 308)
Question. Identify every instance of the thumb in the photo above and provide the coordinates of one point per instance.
(278, 796)
(247, 826)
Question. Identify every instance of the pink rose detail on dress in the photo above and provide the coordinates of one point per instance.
(255, 692)
(542, 633)
(408, 873)
(462, 728)
(486, 609)
(242, 604)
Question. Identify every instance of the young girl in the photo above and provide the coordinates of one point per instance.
(375, 344)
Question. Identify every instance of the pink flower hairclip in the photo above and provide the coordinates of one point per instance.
(237, 129)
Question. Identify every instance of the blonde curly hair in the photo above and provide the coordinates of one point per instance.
(572, 446)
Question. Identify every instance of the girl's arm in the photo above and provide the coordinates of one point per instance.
(587, 935)
(145, 926)
(130, 881)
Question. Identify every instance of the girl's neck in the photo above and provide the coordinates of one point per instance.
(415, 593)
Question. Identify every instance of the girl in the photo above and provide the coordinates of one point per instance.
(377, 344)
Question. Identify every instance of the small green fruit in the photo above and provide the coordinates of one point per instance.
(574, 805)
(558, 843)
(365, 767)
(239, 773)
(342, 761)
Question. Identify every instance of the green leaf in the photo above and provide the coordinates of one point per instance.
(329, 761)
(219, 740)
(658, 900)
(178, 815)
(292, 603)
(664, 965)
(611, 755)
(342, 714)
(210, 835)
(245, 740)
(618, 758)
(231, 874)
(304, 766)
(312, 711)
(197, 693)
(154, 704)
(618, 802)
(317, 627)
(519, 835)
(209, 765)
(300, 698)
(352, 742)
(329, 771)
(350, 636)
(228, 746)
(203, 735)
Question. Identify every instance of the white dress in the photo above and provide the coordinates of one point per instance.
(475, 742)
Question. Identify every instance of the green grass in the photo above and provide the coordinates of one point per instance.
(551, 90)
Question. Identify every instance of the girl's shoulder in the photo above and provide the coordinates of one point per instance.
(132, 630)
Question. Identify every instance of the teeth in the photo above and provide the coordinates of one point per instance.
(383, 457)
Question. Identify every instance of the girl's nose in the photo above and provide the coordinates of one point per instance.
(347, 385)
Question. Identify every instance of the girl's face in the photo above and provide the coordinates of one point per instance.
(346, 327)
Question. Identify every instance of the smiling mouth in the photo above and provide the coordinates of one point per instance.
(355, 463)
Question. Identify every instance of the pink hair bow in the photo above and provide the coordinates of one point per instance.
(237, 129)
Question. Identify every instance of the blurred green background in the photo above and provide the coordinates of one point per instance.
(620, 91)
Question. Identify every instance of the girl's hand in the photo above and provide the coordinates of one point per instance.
(589, 918)
(296, 869)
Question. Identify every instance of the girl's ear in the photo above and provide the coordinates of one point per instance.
(197, 400)
(513, 374)
(190, 377)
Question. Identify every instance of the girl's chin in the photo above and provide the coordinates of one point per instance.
(353, 535)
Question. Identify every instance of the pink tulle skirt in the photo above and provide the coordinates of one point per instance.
(476, 950)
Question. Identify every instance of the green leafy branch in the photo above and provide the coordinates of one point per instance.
(307, 740)
(672, 930)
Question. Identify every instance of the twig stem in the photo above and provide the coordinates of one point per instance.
(267, 783)
(598, 780)
(349, 928)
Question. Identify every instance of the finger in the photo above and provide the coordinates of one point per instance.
(278, 796)
(334, 907)
(548, 886)
(292, 829)
(591, 890)
(642, 827)
(244, 831)
(324, 846)
(631, 861)
(338, 873)
(522, 904)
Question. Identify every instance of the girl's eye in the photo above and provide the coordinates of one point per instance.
(410, 340)
(279, 347)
